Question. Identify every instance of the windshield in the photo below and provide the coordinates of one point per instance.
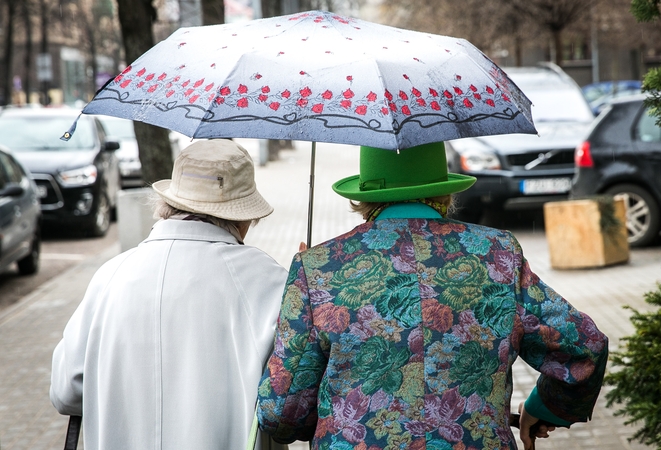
(553, 99)
(559, 105)
(118, 128)
(34, 133)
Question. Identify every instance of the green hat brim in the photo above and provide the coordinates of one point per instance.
(349, 188)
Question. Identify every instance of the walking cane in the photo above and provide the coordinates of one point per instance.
(73, 432)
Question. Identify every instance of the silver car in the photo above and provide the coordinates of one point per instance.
(522, 171)
(20, 216)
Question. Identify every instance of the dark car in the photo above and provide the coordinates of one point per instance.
(522, 171)
(130, 167)
(77, 180)
(20, 217)
(622, 156)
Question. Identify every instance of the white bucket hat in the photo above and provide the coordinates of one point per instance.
(214, 177)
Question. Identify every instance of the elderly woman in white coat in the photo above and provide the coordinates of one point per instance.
(167, 347)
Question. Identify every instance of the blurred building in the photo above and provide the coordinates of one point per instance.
(64, 50)
(598, 41)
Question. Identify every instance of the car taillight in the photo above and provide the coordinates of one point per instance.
(582, 156)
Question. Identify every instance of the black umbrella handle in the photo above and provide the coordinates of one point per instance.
(73, 432)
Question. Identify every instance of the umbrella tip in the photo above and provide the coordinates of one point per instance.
(69, 133)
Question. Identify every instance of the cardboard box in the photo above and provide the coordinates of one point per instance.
(586, 233)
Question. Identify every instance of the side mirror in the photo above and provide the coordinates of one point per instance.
(12, 190)
(111, 145)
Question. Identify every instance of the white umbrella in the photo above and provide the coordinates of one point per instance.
(320, 77)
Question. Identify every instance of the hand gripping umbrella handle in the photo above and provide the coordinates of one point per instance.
(73, 431)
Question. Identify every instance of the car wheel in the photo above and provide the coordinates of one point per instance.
(29, 265)
(642, 213)
(101, 222)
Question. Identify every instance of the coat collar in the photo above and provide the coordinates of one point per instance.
(189, 230)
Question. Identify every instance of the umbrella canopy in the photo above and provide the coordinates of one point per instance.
(317, 76)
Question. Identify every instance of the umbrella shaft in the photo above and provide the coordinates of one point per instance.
(311, 201)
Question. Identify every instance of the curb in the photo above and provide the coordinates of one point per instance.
(17, 308)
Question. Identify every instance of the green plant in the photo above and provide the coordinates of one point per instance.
(649, 11)
(637, 383)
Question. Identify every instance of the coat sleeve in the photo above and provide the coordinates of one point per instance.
(66, 389)
(287, 395)
(564, 345)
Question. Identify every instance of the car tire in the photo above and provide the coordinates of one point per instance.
(102, 214)
(29, 265)
(643, 215)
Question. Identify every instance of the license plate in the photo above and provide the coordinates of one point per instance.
(42, 191)
(546, 186)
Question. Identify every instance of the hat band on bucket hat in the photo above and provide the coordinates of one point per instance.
(412, 173)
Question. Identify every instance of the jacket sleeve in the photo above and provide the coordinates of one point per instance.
(66, 389)
(564, 345)
(287, 395)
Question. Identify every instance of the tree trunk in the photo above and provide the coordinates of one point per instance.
(136, 18)
(29, 50)
(213, 12)
(557, 45)
(271, 8)
(91, 37)
(6, 72)
(45, 85)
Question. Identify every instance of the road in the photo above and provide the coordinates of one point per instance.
(59, 251)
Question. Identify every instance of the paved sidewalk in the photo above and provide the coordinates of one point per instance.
(30, 329)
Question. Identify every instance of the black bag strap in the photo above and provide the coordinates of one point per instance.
(73, 432)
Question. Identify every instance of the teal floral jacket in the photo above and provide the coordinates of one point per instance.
(401, 334)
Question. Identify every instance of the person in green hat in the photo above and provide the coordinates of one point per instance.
(402, 333)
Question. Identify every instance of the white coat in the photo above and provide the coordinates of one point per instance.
(167, 347)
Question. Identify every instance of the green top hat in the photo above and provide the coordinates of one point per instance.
(412, 173)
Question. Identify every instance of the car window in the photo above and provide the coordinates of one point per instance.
(559, 105)
(646, 129)
(31, 133)
(118, 128)
(3, 174)
(14, 172)
(553, 99)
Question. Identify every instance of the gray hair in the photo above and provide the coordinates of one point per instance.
(365, 208)
(163, 210)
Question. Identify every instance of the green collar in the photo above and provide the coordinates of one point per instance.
(409, 211)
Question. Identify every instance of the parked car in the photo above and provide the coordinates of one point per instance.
(130, 167)
(622, 156)
(600, 94)
(20, 216)
(521, 171)
(77, 180)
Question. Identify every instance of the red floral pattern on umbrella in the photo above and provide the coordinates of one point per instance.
(317, 76)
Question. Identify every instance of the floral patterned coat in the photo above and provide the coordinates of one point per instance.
(401, 334)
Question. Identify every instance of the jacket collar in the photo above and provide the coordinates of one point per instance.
(189, 230)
